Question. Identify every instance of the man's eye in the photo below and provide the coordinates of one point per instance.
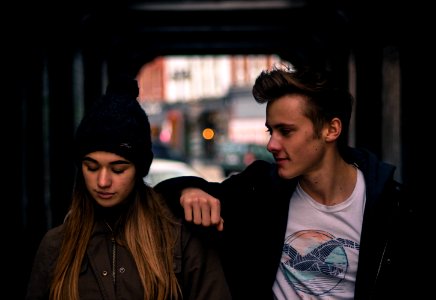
(285, 131)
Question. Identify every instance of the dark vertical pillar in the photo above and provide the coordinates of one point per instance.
(368, 108)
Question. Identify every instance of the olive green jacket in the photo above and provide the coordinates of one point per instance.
(197, 267)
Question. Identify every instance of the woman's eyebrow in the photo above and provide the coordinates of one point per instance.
(120, 162)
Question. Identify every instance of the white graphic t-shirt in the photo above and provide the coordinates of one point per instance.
(321, 248)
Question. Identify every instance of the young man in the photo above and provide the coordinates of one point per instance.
(324, 222)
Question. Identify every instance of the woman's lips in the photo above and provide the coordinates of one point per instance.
(105, 195)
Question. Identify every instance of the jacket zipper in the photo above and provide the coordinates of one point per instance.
(114, 252)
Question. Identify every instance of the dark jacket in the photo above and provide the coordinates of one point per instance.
(197, 267)
(254, 206)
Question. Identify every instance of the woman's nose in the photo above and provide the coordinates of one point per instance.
(104, 178)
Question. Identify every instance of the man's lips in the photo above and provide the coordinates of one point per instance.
(278, 159)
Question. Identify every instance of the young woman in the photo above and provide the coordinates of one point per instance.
(119, 240)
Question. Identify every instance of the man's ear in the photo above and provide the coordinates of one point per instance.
(333, 130)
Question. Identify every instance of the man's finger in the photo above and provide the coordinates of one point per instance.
(188, 213)
(220, 226)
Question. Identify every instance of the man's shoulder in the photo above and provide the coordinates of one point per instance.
(260, 166)
(259, 174)
(366, 160)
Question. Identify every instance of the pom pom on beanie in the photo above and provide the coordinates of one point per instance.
(118, 124)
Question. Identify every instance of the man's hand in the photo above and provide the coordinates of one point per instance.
(201, 208)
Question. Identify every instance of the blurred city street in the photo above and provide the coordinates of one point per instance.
(210, 171)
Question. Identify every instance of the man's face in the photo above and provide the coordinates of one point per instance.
(293, 141)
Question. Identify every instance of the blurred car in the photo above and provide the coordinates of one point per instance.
(162, 169)
(234, 157)
(161, 150)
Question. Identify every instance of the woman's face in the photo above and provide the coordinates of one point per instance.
(109, 178)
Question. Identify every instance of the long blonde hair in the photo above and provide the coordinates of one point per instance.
(149, 234)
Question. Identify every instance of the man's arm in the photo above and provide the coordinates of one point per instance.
(188, 196)
(201, 208)
(199, 201)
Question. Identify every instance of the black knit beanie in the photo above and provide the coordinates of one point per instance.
(118, 124)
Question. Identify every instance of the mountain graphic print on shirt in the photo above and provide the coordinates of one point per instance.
(314, 261)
